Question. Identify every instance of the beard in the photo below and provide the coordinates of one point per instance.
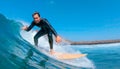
(37, 21)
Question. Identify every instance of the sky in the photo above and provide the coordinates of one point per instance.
(72, 19)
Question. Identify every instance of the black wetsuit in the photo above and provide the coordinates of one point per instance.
(46, 28)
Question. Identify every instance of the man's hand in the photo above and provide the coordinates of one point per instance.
(24, 28)
(58, 39)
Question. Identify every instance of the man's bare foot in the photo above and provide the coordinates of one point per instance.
(52, 51)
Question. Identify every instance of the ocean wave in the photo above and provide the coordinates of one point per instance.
(16, 52)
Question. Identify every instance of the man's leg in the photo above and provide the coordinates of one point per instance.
(50, 38)
(39, 34)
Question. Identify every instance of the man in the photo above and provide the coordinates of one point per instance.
(46, 28)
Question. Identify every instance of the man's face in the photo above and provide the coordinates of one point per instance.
(36, 18)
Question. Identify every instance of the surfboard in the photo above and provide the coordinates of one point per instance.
(67, 56)
(62, 56)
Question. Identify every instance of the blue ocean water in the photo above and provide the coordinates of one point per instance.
(17, 53)
(104, 56)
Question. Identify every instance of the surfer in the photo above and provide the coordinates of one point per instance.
(46, 28)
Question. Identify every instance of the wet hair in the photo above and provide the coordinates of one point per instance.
(36, 13)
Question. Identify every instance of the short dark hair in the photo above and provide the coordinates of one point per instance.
(36, 13)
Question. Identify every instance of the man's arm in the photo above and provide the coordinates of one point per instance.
(52, 29)
(58, 38)
(30, 27)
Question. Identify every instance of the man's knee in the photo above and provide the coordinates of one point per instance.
(50, 37)
(35, 38)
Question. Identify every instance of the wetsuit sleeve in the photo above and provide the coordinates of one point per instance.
(30, 27)
(52, 29)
